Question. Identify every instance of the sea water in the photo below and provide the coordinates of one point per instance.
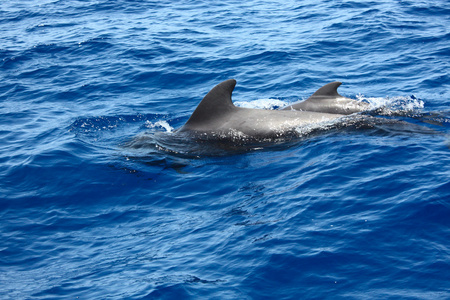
(358, 212)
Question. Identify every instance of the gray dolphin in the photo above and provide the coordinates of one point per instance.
(327, 100)
(217, 116)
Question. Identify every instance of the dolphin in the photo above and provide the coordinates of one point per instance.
(217, 116)
(327, 100)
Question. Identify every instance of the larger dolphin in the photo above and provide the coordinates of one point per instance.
(217, 116)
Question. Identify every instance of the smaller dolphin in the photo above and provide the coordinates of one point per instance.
(327, 100)
(217, 116)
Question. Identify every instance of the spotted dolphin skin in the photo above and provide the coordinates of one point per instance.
(216, 115)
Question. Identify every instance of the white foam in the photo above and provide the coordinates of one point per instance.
(262, 104)
(393, 104)
(159, 124)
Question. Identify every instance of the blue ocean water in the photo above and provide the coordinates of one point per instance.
(348, 213)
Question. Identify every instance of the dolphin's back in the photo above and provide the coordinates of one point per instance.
(327, 100)
(216, 115)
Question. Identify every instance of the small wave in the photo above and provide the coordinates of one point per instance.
(159, 124)
(45, 26)
(102, 123)
(111, 131)
(392, 106)
(94, 124)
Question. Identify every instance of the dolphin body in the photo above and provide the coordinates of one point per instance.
(327, 100)
(217, 116)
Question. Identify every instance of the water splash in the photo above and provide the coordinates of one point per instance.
(159, 124)
(391, 106)
(269, 104)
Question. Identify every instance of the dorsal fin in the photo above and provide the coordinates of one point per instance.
(327, 100)
(328, 90)
(216, 103)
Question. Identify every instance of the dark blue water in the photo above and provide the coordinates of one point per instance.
(354, 212)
